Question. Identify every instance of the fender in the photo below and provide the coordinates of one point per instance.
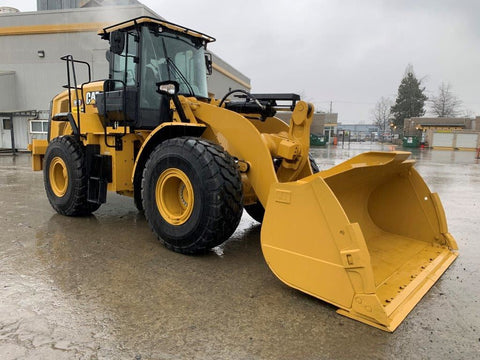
(161, 133)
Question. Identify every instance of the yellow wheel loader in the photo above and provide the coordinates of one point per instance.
(367, 235)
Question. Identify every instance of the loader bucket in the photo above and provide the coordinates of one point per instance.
(366, 235)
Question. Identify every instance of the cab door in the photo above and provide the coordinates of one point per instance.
(154, 108)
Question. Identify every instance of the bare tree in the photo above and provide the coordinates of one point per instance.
(467, 113)
(445, 104)
(381, 113)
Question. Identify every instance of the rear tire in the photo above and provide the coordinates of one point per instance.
(65, 179)
(192, 194)
(257, 211)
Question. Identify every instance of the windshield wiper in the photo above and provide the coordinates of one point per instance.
(177, 71)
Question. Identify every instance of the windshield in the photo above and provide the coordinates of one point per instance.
(167, 56)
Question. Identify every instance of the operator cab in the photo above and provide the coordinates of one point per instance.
(143, 52)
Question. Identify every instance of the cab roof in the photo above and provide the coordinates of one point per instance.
(132, 23)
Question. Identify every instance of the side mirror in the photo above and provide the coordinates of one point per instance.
(168, 88)
(208, 63)
(108, 55)
(117, 42)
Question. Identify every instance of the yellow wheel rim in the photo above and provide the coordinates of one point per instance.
(174, 196)
(58, 176)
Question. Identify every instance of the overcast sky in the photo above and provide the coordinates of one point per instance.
(345, 51)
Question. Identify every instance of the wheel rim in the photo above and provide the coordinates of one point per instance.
(58, 175)
(174, 196)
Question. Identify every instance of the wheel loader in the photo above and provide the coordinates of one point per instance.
(367, 235)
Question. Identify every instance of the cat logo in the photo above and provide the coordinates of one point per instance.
(90, 97)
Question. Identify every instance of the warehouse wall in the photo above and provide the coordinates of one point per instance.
(7, 90)
(39, 79)
(31, 72)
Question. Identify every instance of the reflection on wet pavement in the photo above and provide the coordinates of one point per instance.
(102, 287)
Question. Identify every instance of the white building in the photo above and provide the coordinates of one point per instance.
(31, 72)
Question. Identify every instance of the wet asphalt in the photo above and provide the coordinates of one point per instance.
(102, 287)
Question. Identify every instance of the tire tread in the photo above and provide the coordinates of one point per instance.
(223, 185)
(78, 206)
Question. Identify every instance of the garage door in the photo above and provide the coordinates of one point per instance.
(468, 141)
(442, 140)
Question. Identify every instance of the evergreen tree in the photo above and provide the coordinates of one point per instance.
(410, 100)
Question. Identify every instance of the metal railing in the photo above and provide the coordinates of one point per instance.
(72, 76)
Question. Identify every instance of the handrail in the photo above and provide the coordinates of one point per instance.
(71, 63)
(124, 105)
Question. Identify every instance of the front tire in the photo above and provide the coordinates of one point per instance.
(65, 177)
(192, 194)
